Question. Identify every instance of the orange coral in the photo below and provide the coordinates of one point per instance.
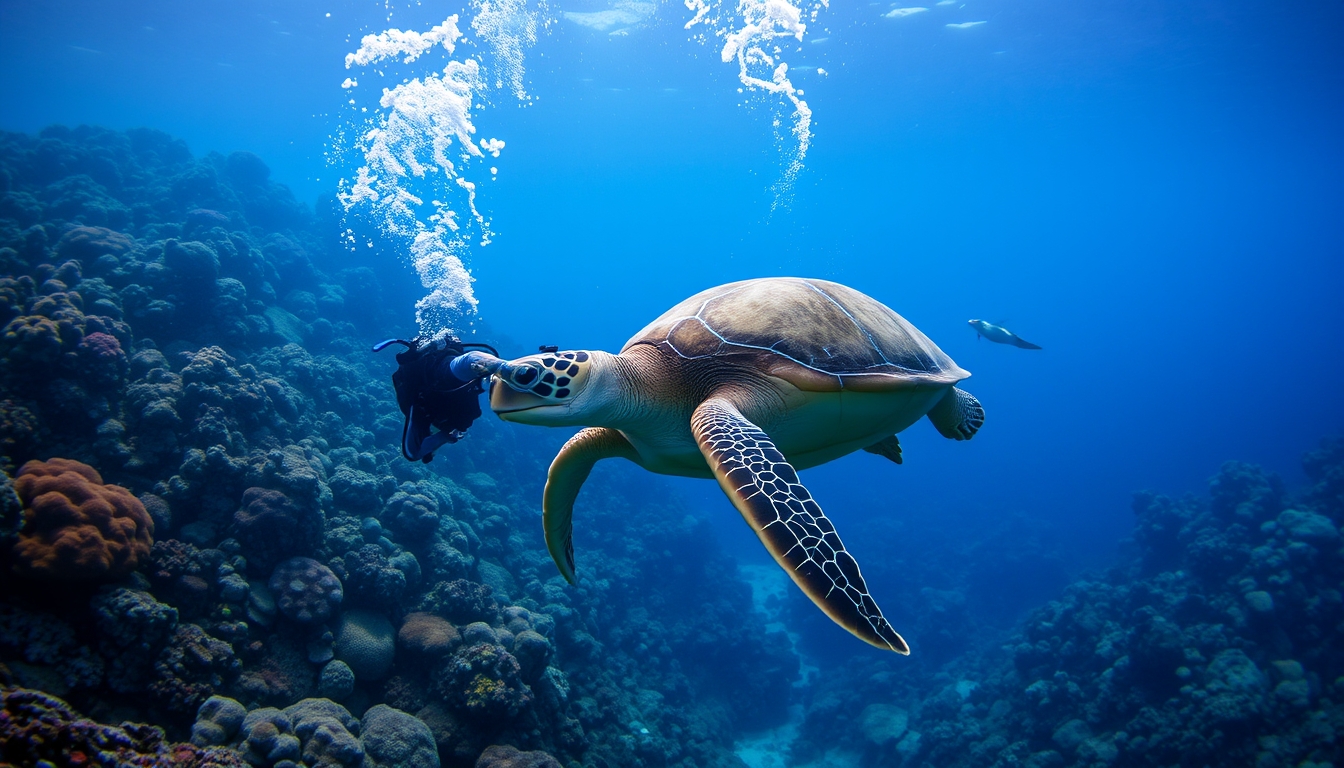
(74, 527)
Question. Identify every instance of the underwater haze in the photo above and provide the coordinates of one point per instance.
(210, 213)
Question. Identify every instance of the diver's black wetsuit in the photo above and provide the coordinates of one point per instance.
(432, 397)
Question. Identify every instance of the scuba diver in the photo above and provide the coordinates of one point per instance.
(438, 382)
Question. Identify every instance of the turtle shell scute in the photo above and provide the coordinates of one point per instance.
(817, 334)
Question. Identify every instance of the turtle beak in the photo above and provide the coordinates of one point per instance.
(505, 400)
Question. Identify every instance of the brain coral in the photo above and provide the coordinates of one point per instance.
(427, 634)
(75, 528)
(365, 642)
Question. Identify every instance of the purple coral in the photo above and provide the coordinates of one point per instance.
(306, 591)
(37, 729)
(104, 363)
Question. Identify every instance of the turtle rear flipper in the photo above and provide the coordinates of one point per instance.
(765, 489)
(958, 415)
(569, 469)
(890, 447)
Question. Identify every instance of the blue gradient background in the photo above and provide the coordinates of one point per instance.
(1152, 191)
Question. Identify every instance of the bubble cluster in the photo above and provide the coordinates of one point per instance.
(507, 26)
(753, 36)
(417, 153)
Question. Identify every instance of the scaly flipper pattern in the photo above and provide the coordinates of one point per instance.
(958, 416)
(569, 469)
(765, 489)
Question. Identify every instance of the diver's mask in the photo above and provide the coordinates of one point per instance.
(520, 376)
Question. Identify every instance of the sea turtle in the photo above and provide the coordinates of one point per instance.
(747, 383)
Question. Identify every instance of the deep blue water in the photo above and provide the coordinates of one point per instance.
(1151, 191)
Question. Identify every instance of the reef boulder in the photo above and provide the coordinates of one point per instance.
(306, 591)
(392, 739)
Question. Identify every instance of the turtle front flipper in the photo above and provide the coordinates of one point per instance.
(569, 469)
(958, 415)
(765, 489)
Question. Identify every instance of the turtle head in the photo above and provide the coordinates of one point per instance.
(546, 389)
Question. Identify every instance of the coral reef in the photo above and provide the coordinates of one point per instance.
(270, 527)
(392, 738)
(1215, 642)
(428, 635)
(365, 642)
(511, 757)
(190, 669)
(133, 628)
(181, 327)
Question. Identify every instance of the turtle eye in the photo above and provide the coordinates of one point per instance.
(522, 377)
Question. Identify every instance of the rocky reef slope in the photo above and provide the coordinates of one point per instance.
(1218, 639)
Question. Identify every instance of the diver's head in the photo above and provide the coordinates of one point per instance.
(551, 388)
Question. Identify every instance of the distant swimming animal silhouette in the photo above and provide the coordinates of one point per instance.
(746, 383)
(1000, 335)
